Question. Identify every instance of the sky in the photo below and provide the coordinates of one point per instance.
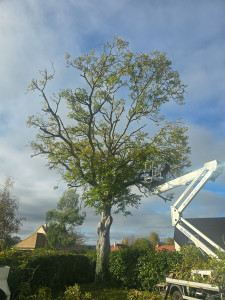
(35, 33)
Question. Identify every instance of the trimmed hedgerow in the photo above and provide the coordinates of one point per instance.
(31, 270)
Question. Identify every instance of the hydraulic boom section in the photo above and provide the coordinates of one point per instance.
(195, 180)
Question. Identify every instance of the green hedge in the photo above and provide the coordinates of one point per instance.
(30, 270)
(143, 269)
(123, 267)
(132, 268)
(153, 267)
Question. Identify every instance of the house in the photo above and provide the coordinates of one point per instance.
(34, 241)
(213, 228)
(165, 247)
(117, 247)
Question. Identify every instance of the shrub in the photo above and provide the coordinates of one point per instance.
(123, 266)
(74, 293)
(218, 267)
(92, 255)
(45, 268)
(43, 293)
(14, 259)
(153, 266)
(191, 259)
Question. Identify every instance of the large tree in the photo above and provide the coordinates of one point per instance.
(63, 221)
(9, 221)
(113, 126)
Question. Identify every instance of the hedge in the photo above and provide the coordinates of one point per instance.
(31, 270)
(143, 269)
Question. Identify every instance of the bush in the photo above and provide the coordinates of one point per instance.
(191, 259)
(31, 270)
(218, 267)
(74, 293)
(123, 266)
(153, 266)
(58, 270)
(143, 269)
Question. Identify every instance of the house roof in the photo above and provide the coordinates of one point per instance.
(213, 228)
(116, 247)
(36, 240)
(165, 247)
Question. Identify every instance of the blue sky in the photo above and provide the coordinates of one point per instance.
(34, 33)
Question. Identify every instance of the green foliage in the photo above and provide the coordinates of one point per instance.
(143, 295)
(218, 267)
(92, 255)
(123, 266)
(92, 147)
(63, 221)
(192, 259)
(138, 268)
(45, 273)
(9, 222)
(103, 142)
(142, 243)
(153, 266)
(77, 292)
(74, 293)
(125, 241)
(154, 238)
(43, 293)
(169, 241)
(29, 271)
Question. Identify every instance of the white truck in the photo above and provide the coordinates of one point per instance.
(182, 289)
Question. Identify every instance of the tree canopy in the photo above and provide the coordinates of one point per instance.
(169, 241)
(154, 238)
(113, 125)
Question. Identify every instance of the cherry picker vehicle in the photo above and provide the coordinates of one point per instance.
(182, 289)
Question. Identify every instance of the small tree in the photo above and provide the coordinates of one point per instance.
(154, 238)
(169, 241)
(142, 243)
(125, 241)
(9, 222)
(104, 142)
(63, 221)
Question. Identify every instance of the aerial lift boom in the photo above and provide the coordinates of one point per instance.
(183, 289)
(195, 180)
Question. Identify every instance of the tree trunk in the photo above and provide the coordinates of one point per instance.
(103, 245)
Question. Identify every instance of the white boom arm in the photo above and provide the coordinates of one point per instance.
(196, 180)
